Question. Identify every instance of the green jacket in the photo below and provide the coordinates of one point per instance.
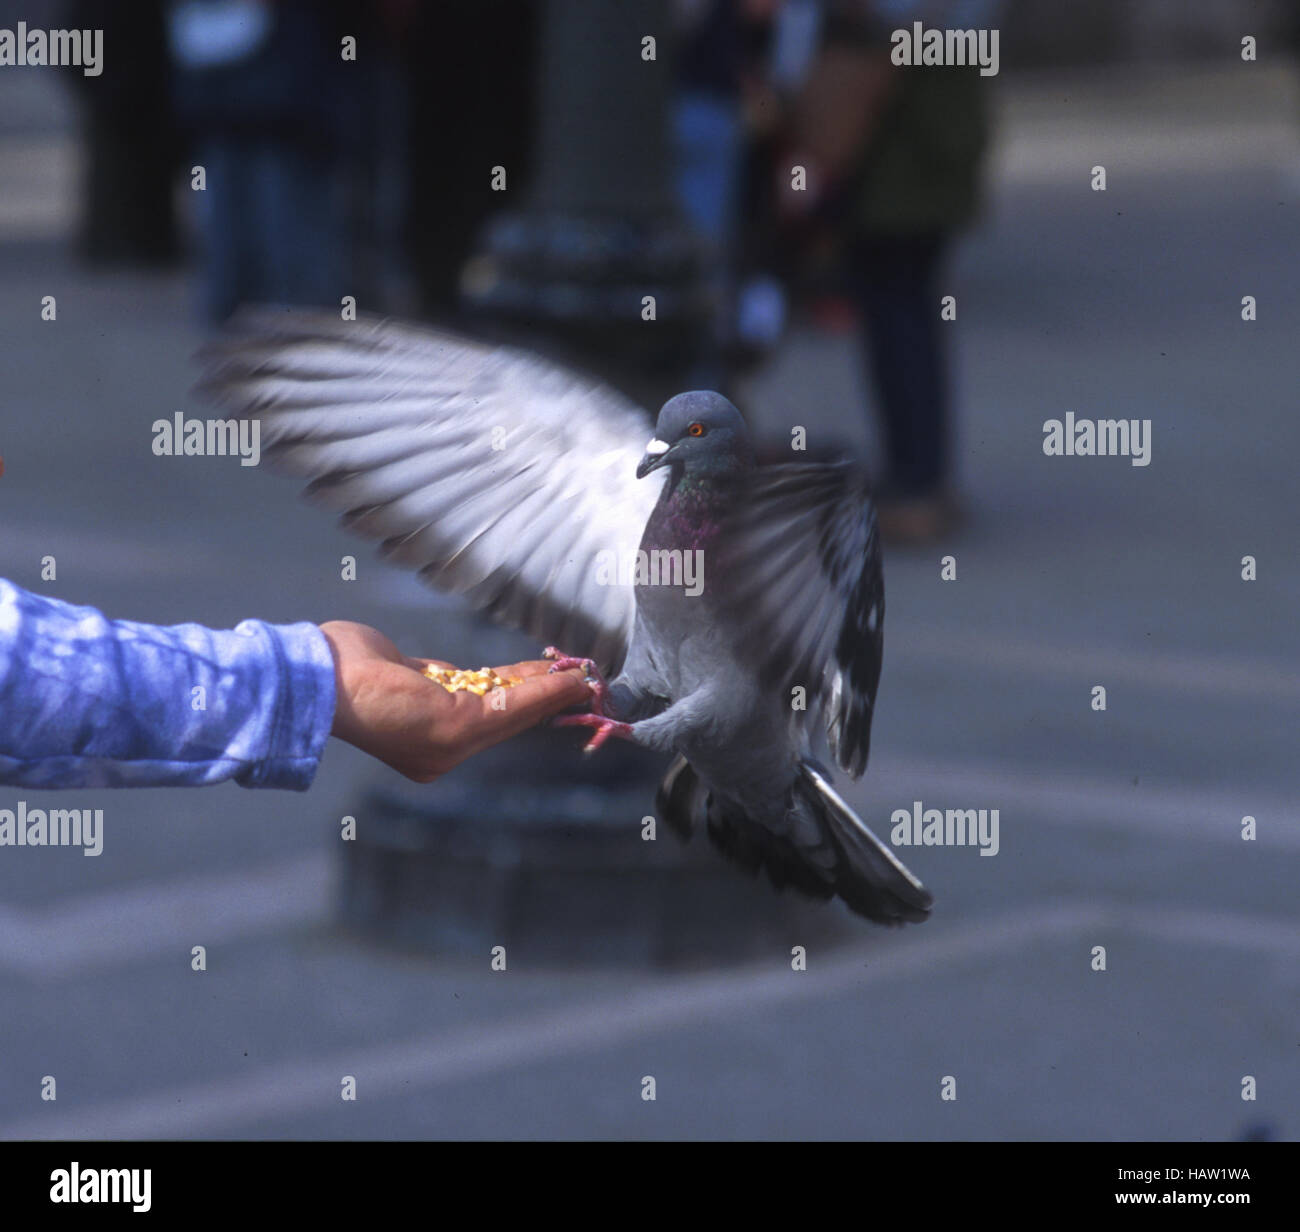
(921, 171)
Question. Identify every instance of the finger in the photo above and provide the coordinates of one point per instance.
(536, 698)
(526, 669)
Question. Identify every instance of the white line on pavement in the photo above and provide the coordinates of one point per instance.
(281, 1091)
(140, 921)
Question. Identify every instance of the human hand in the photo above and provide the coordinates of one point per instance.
(388, 708)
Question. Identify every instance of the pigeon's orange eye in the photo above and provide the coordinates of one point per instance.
(696, 429)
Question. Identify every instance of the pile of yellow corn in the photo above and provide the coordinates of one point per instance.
(454, 679)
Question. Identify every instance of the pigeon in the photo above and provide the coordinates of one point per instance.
(730, 613)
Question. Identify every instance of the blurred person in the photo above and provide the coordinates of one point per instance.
(707, 117)
(737, 61)
(129, 142)
(91, 702)
(894, 157)
(777, 39)
(473, 108)
(379, 175)
(708, 138)
(268, 105)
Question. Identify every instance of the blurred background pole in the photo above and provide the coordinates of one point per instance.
(600, 229)
(604, 111)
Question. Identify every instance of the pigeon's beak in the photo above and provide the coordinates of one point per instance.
(656, 454)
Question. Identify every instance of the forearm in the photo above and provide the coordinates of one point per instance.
(85, 701)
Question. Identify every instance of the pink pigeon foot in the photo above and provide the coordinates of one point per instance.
(604, 728)
(599, 686)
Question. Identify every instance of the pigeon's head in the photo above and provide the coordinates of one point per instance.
(700, 433)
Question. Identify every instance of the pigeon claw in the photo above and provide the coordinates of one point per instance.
(599, 687)
(604, 728)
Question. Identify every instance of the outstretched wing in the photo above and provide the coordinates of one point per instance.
(496, 474)
(800, 557)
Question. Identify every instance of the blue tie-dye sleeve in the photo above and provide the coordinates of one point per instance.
(91, 702)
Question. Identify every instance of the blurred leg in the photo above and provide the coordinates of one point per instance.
(298, 237)
(896, 282)
(224, 221)
(708, 141)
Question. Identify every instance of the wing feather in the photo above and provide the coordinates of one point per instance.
(800, 554)
(493, 473)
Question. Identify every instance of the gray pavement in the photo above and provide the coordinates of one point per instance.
(1118, 829)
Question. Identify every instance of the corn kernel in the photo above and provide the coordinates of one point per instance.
(458, 679)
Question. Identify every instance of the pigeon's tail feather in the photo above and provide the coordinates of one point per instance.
(682, 801)
(823, 849)
(868, 876)
(685, 804)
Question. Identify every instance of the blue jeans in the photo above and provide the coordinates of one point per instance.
(708, 140)
(273, 226)
(895, 280)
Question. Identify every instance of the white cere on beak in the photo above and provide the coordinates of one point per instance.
(656, 447)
